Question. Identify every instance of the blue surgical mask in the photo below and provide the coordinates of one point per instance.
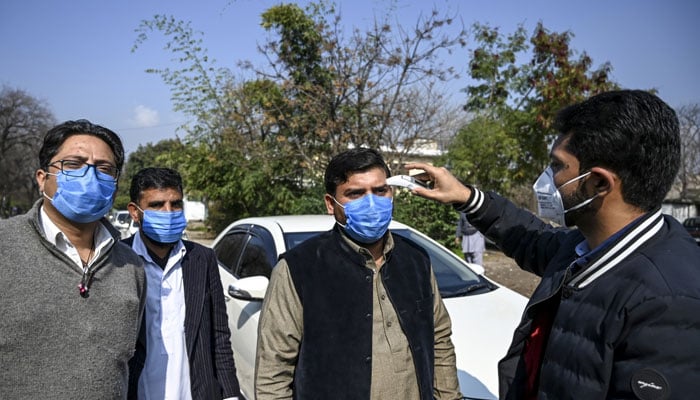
(83, 198)
(163, 226)
(367, 218)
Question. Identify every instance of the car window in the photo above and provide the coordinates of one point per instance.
(243, 253)
(452, 276)
(291, 240)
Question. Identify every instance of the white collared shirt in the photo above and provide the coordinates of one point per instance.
(103, 240)
(166, 373)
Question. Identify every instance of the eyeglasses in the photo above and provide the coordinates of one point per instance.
(77, 169)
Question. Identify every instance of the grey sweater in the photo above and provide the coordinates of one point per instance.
(55, 344)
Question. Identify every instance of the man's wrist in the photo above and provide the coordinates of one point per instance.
(475, 198)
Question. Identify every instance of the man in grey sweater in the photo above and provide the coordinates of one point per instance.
(71, 295)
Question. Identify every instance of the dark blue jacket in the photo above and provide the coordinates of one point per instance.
(335, 289)
(628, 322)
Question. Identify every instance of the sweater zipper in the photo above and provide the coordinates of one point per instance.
(86, 279)
(84, 285)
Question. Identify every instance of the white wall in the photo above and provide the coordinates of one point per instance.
(195, 210)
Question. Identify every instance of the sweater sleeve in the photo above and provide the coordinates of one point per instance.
(279, 336)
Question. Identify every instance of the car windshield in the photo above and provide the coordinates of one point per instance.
(453, 277)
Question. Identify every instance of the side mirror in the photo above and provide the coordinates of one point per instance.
(252, 288)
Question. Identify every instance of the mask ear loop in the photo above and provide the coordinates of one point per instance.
(344, 226)
(573, 179)
(584, 203)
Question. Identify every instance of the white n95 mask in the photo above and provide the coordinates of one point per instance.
(549, 202)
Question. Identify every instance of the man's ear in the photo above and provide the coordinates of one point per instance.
(40, 179)
(329, 204)
(605, 181)
(133, 211)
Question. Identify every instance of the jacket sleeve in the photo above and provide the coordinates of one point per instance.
(519, 233)
(445, 382)
(662, 335)
(225, 368)
(279, 337)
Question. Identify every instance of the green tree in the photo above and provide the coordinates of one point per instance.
(375, 88)
(482, 152)
(260, 146)
(521, 83)
(430, 217)
(149, 155)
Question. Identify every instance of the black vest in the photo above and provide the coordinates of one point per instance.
(335, 290)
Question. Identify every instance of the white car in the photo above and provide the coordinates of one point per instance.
(120, 219)
(484, 314)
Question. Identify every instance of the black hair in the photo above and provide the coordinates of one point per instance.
(154, 178)
(56, 136)
(349, 162)
(631, 132)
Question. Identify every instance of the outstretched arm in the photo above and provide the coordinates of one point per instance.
(446, 188)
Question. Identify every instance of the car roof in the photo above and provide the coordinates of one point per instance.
(302, 223)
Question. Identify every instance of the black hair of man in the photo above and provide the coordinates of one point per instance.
(630, 132)
(154, 178)
(349, 162)
(54, 138)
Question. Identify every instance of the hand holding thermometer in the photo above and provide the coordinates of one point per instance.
(406, 181)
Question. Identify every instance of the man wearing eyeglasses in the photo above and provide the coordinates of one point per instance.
(72, 293)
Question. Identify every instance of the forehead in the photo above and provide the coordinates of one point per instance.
(160, 195)
(560, 153)
(83, 145)
(364, 179)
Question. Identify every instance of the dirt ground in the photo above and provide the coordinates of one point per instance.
(503, 270)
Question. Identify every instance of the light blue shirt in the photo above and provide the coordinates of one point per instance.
(166, 373)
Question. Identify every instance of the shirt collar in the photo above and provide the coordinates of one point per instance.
(616, 248)
(388, 243)
(177, 253)
(103, 238)
(584, 252)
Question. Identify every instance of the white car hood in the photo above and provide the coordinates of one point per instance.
(482, 330)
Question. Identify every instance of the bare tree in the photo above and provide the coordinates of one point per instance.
(381, 88)
(23, 121)
(689, 172)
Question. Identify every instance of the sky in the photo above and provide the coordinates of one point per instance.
(76, 55)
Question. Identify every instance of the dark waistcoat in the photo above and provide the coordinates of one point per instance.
(335, 289)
